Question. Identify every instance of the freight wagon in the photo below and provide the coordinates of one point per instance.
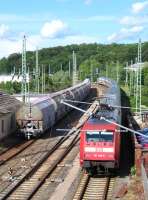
(43, 113)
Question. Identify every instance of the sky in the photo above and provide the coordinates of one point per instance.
(48, 23)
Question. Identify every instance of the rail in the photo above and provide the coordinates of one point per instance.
(34, 169)
(93, 188)
(14, 151)
(6, 194)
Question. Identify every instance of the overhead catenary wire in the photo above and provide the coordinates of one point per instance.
(83, 102)
(124, 127)
(72, 106)
(107, 120)
(84, 130)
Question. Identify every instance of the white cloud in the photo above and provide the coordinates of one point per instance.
(4, 29)
(125, 33)
(88, 2)
(134, 20)
(9, 46)
(53, 29)
(33, 41)
(139, 6)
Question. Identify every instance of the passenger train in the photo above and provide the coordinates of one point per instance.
(99, 139)
(43, 113)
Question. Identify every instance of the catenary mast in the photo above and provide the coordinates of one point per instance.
(24, 84)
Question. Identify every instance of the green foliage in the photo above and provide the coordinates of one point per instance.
(145, 74)
(58, 81)
(10, 87)
(97, 53)
(133, 170)
(98, 59)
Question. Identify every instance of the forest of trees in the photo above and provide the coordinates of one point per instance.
(96, 59)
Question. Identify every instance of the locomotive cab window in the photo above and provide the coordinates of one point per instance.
(99, 136)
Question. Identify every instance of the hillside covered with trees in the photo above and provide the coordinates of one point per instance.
(56, 56)
(92, 59)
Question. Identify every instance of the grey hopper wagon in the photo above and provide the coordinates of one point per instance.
(43, 113)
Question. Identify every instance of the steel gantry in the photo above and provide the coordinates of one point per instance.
(75, 75)
(37, 84)
(24, 82)
(133, 73)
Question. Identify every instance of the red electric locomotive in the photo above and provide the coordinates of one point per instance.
(99, 139)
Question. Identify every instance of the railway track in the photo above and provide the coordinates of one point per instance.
(58, 176)
(27, 186)
(24, 162)
(14, 151)
(91, 188)
(37, 171)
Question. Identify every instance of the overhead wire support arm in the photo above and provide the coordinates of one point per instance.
(81, 102)
(72, 106)
(121, 126)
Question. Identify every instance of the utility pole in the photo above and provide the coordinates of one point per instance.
(14, 70)
(97, 72)
(139, 69)
(49, 70)
(24, 87)
(37, 89)
(135, 78)
(91, 73)
(126, 79)
(117, 71)
(42, 79)
(106, 70)
(28, 85)
(75, 78)
(29, 102)
(137, 88)
(131, 71)
(61, 67)
(69, 68)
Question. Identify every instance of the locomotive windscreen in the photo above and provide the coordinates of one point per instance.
(99, 136)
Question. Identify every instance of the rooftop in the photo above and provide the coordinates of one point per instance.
(8, 103)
